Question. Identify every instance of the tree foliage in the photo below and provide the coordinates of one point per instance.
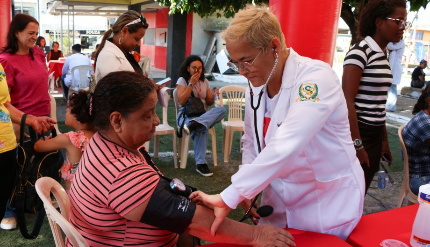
(350, 12)
(206, 8)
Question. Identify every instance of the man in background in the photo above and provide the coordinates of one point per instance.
(396, 54)
(76, 59)
(418, 76)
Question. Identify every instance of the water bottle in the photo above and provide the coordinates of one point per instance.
(216, 97)
(421, 230)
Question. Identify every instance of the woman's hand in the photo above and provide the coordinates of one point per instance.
(254, 216)
(363, 157)
(386, 152)
(40, 124)
(194, 78)
(268, 235)
(215, 202)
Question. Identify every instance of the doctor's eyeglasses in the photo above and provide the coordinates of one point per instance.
(243, 65)
(402, 23)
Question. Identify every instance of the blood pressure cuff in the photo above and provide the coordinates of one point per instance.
(167, 210)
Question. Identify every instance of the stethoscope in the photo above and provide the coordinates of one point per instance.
(255, 108)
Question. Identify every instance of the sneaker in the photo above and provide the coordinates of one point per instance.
(193, 125)
(8, 224)
(203, 169)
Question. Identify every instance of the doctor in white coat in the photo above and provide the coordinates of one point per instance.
(297, 146)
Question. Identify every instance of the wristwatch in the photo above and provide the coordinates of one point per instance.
(358, 144)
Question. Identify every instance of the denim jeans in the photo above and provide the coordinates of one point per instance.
(65, 88)
(415, 181)
(392, 98)
(200, 134)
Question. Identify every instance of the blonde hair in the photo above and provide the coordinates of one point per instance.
(256, 25)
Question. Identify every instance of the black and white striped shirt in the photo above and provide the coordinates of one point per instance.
(374, 83)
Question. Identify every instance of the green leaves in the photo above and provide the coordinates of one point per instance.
(206, 8)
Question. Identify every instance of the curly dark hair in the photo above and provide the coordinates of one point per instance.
(376, 9)
(183, 70)
(122, 91)
(422, 100)
(79, 103)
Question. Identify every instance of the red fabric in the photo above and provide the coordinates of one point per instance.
(266, 125)
(56, 67)
(28, 82)
(298, 17)
(305, 239)
(392, 224)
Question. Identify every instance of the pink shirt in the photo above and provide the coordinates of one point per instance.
(28, 80)
(110, 182)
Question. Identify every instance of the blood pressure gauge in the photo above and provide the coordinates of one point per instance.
(178, 187)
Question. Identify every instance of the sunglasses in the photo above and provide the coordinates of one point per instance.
(402, 23)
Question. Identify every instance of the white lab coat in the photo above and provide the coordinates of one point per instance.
(396, 55)
(111, 59)
(308, 169)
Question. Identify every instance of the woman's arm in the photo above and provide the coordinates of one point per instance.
(209, 98)
(350, 83)
(39, 124)
(185, 92)
(59, 142)
(229, 231)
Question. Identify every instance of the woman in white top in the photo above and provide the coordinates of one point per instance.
(117, 43)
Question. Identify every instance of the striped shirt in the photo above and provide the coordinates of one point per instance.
(110, 182)
(374, 83)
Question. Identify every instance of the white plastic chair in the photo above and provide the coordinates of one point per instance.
(235, 96)
(51, 82)
(58, 221)
(405, 191)
(81, 83)
(54, 113)
(184, 142)
(145, 64)
(164, 128)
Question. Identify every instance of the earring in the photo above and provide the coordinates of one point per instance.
(120, 40)
(273, 49)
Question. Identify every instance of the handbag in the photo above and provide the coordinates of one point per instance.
(32, 166)
(194, 107)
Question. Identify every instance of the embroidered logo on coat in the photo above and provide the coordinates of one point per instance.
(308, 92)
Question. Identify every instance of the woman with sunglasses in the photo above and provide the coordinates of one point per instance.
(367, 78)
(297, 146)
(117, 43)
(192, 83)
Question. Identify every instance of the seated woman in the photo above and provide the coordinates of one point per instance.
(192, 83)
(55, 53)
(118, 197)
(416, 135)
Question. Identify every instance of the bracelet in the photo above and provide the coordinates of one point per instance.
(359, 148)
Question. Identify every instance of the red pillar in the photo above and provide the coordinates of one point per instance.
(5, 17)
(310, 27)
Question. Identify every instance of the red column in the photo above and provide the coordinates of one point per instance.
(310, 27)
(5, 17)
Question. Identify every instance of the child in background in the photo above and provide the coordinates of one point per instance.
(77, 117)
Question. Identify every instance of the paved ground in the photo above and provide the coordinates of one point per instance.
(377, 199)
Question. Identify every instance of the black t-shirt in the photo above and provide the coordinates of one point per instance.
(417, 72)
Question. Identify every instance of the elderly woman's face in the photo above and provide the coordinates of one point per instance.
(253, 63)
(139, 127)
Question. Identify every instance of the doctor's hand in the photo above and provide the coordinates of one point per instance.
(363, 157)
(254, 216)
(215, 202)
(268, 235)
